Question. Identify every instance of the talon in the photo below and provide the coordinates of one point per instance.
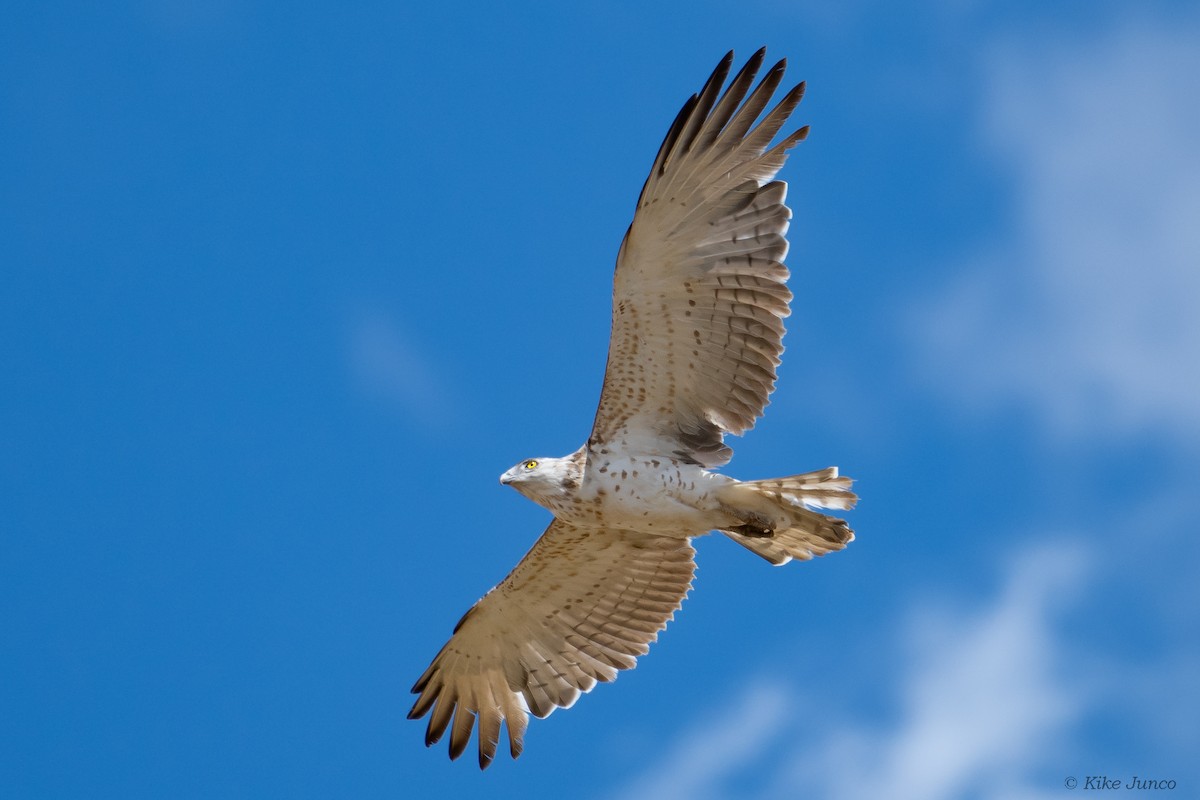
(753, 531)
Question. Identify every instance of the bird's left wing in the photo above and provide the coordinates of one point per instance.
(582, 604)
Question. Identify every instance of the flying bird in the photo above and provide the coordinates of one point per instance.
(699, 298)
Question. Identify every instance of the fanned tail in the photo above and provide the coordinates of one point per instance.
(779, 524)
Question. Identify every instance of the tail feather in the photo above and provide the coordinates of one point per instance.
(798, 533)
(821, 489)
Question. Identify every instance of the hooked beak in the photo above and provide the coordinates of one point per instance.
(506, 478)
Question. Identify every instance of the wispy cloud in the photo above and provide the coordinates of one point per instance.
(984, 700)
(698, 765)
(386, 367)
(1087, 308)
(983, 703)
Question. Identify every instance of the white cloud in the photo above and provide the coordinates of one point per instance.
(697, 765)
(985, 698)
(387, 368)
(984, 702)
(1088, 309)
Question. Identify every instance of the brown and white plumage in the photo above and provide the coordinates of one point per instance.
(699, 299)
(582, 604)
(699, 295)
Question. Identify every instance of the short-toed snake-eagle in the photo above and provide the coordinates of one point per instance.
(697, 321)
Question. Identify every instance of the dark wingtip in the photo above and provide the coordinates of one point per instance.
(457, 748)
(421, 705)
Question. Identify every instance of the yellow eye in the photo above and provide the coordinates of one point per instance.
(530, 464)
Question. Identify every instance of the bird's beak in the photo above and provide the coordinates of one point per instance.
(506, 478)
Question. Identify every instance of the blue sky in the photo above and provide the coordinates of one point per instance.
(284, 289)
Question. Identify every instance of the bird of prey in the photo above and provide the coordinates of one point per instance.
(699, 299)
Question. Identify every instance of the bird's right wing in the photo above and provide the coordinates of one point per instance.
(582, 604)
(700, 292)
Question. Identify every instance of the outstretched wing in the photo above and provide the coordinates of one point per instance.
(699, 295)
(582, 604)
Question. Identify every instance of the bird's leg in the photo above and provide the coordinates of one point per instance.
(752, 531)
(753, 524)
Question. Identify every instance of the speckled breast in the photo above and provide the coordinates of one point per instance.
(652, 494)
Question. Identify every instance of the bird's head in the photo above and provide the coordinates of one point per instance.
(544, 480)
